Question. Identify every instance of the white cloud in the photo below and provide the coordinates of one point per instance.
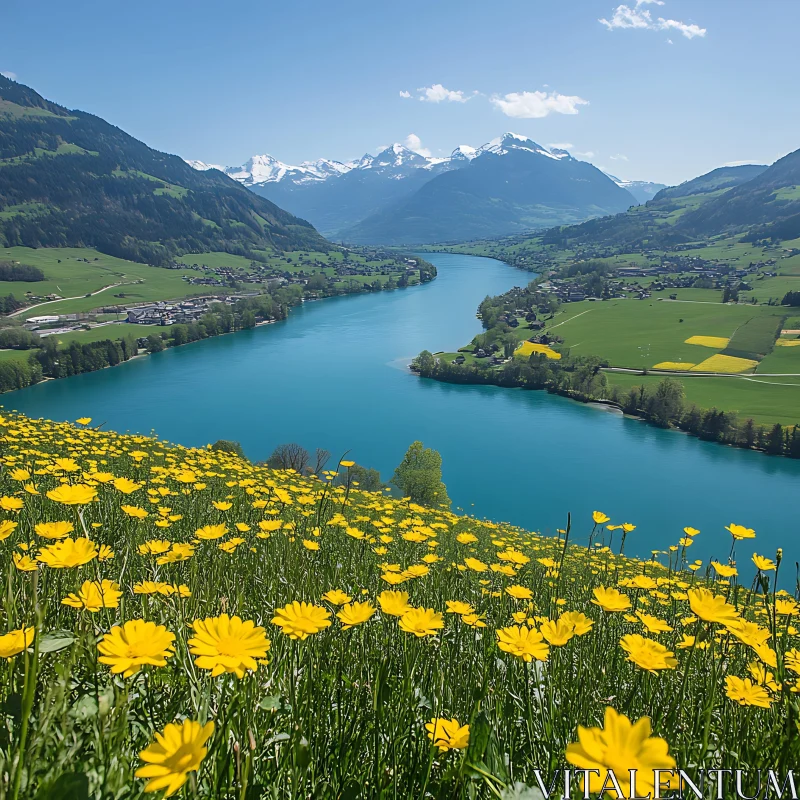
(619, 157)
(405, 94)
(560, 146)
(641, 19)
(534, 105)
(587, 154)
(10, 75)
(413, 142)
(437, 94)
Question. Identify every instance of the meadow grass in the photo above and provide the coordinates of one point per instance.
(502, 645)
(766, 400)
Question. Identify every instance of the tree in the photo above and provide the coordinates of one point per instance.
(321, 458)
(419, 477)
(228, 446)
(155, 344)
(289, 456)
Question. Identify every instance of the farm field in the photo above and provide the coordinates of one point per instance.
(642, 333)
(313, 629)
(73, 277)
(767, 400)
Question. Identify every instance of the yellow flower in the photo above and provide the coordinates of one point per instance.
(78, 495)
(11, 504)
(740, 532)
(394, 578)
(523, 642)
(310, 544)
(20, 475)
(466, 538)
(301, 620)
(7, 528)
(749, 633)
(558, 632)
(208, 532)
(580, 623)
(65, 465)
(68, 553)
(786, 607)
(647, 653)
(653, 624)
(128, 648)
(54, 530)
(447, 734)
(337, 597)
(154, 547)
(179, 552)
(93, 596)
(242, 527)
(746, 693)
(724, 570)
(394, 603)
(611, 600)
(14, 642)
(227, 644)
(473, 620)
(105, 553)
(763, 564)
(710, 607)
(421, 622)
(457, 607)
(135, 512)
(24, 563)
(620, 746)
(83, 420)
(598, 517)
(355, 613)
(176, 752)
(475, 565)
(519, 592)
(222, 505)
(126, 485)
(347, 463)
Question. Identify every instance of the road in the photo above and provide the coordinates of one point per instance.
(48, 302)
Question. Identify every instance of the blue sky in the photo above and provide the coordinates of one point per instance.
(661, 91)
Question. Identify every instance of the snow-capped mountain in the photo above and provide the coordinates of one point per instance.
(641, 190)
(339, 196)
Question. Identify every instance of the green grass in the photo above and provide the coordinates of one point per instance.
(781, 359)
(340, 711)
(755, 337)
(766, 400)
(69, 276)
(113, 332)
(642, 333)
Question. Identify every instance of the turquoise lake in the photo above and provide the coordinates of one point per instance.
(334, 375)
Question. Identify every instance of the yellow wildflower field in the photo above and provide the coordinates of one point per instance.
(527, 348)
(788, 342)
(182, 622)
(717, 342)
(721, 363)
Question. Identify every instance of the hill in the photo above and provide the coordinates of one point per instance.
(71, 179)
(295, 629)
(336, 200)
(510, 185)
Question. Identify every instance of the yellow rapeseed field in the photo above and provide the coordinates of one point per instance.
(717, 342)
(179, 621)
(527, 348)
(788, 342)
(722, 363)
(674, 365)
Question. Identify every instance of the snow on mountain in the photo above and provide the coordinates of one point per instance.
(396, 162)
(201, 166)
(641, 190)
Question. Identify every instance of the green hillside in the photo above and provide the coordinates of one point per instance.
(70, 179)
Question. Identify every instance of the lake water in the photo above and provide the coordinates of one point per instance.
(334, 375)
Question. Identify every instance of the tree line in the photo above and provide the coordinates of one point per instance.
(663, 404)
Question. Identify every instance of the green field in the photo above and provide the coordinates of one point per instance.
(766, 400)
(69, 276)
(642, 333)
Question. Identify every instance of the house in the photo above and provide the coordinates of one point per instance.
(45, 320)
